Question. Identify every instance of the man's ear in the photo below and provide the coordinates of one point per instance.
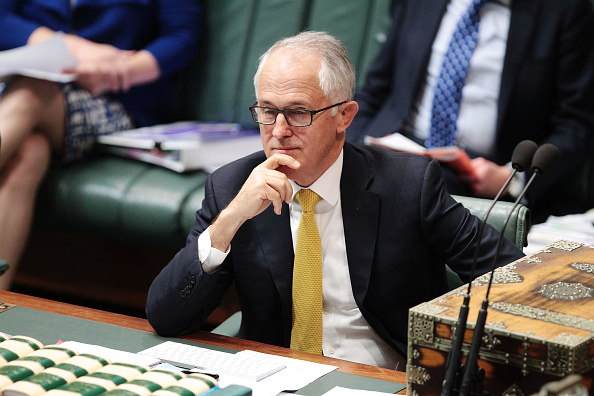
(347, 114)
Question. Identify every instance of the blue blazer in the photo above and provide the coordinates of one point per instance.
(400, 225)
(547, 84)
(168, 29)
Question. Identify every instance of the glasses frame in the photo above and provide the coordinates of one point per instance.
(311, 113)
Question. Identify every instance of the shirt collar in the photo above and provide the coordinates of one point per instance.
(328, 185)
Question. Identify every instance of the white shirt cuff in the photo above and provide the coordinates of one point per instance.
(210, 257)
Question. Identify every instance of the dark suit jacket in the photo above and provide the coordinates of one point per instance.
(547, 84)
(400, 225)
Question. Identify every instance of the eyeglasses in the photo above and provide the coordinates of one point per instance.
(295, 117)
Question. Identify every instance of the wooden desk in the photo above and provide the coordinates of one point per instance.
(202, 337)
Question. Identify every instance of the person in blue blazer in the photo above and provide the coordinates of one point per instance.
(126, 53)
(531, 77)
(387, 225)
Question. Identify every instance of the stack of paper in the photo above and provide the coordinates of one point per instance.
(184, 146)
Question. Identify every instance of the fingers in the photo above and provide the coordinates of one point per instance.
(99, 77)
(266, 185)
(278, 160)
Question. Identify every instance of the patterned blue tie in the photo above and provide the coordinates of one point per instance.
(448, 91)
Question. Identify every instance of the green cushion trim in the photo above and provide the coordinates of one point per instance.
(45, 362)
(206, 381)
(70, 352)
(179, 390)
(150, 385)
(142, 369)
(97, 358)
(33, 345)
(116, 379)
(8, 355)
(121, 392)
(83, 388)
(171, 373)
(46, 381)
(72, 368)
(16, 373)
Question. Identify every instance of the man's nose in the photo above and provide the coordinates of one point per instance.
(281, 127)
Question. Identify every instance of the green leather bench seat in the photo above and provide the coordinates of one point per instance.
(122, 199)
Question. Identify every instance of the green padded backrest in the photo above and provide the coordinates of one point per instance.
(379, 20)
(208, 88)
(360, 25)
(272, 20)
(237, 32)
(234, 36)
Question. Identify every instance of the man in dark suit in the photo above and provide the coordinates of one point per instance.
(531, 77)
(386, 223)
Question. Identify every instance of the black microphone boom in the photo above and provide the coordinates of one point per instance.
(545, 158)
(521, 159)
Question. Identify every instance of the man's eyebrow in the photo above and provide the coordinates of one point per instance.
(291, 105)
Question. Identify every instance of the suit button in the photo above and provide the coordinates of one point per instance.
(192, 280)
(187, 289)
(183, 294)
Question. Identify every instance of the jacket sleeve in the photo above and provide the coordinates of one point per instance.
(454, 232)
(179, 25)
(182, 296)
(14, 29)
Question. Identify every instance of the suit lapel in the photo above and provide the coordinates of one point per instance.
(360, 213)
(521, 26)
(274, 233)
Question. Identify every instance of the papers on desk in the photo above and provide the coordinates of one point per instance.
(296, 375)
(340, 391)
(45, 60)
(576, 227)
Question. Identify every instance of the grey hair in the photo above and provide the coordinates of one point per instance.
(336, 75)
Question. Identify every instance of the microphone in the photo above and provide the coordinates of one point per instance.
(545, 158)
(521, 159)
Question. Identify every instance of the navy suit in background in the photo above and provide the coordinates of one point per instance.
(400, 225)
(547, 85)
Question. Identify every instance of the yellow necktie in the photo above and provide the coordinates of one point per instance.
(306, 334)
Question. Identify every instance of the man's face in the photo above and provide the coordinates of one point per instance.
(289, 82)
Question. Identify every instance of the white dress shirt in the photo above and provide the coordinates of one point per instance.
(346, 333)
(477, 117)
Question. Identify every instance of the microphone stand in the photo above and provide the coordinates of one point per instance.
(521, 158)
(546, 157)
(472, 381)
(453, 375)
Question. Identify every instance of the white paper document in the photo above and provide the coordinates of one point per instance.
(575, 227)
(340, 391)
(45, 60)
(295, 376)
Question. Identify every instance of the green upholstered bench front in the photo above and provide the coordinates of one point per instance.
(122, 199)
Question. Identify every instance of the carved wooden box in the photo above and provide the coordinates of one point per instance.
(539, 325)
